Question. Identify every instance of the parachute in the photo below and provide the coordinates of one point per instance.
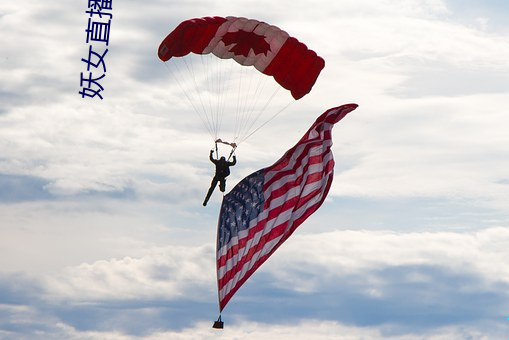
(199, 54)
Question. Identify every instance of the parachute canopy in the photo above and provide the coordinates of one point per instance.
(250, 43)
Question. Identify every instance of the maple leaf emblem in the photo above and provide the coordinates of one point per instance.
(244, 42)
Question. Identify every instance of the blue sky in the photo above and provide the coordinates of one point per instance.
(102, 232)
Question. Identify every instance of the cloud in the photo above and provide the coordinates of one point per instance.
(478, 253)
(377, 284)
(371, 284)
(315, 329)
(306, 329)
(168, 273)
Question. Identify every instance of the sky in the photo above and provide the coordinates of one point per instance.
(102, 231)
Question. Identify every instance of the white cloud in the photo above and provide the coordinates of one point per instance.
(339, 253)
(307, 263)
(307, 329)
(162, 273)
(437, 274)
(317, 329)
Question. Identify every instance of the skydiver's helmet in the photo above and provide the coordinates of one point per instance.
(222, 159)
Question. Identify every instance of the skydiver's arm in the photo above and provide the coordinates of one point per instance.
(234, 161)
(210, 156)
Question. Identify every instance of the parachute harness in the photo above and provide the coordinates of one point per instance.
(233, 145)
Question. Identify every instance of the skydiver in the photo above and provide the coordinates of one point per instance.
(222, 171)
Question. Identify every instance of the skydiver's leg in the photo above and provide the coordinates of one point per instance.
(222, 184)
(211, 190)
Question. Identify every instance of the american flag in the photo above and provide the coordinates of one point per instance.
(266, 207)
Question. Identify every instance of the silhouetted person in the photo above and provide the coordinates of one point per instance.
(222, 171)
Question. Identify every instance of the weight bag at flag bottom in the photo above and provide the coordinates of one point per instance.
(266, 207)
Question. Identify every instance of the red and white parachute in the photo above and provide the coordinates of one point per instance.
(225, 95)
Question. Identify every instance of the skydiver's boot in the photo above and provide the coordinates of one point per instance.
(209, 193)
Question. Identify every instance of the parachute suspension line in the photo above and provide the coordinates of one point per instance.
(244, 108)
(267, 121)
(255, 94)
(255, 85)
(218, 75)
(207, 81)
(214, 84)
(225, 69)
(191, 70)
(232, 152)
(234, 147)
(261, 112)
(214, 91)
(196, 108)
(240, 105)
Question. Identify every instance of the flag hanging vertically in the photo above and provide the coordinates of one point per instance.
(266, 207)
